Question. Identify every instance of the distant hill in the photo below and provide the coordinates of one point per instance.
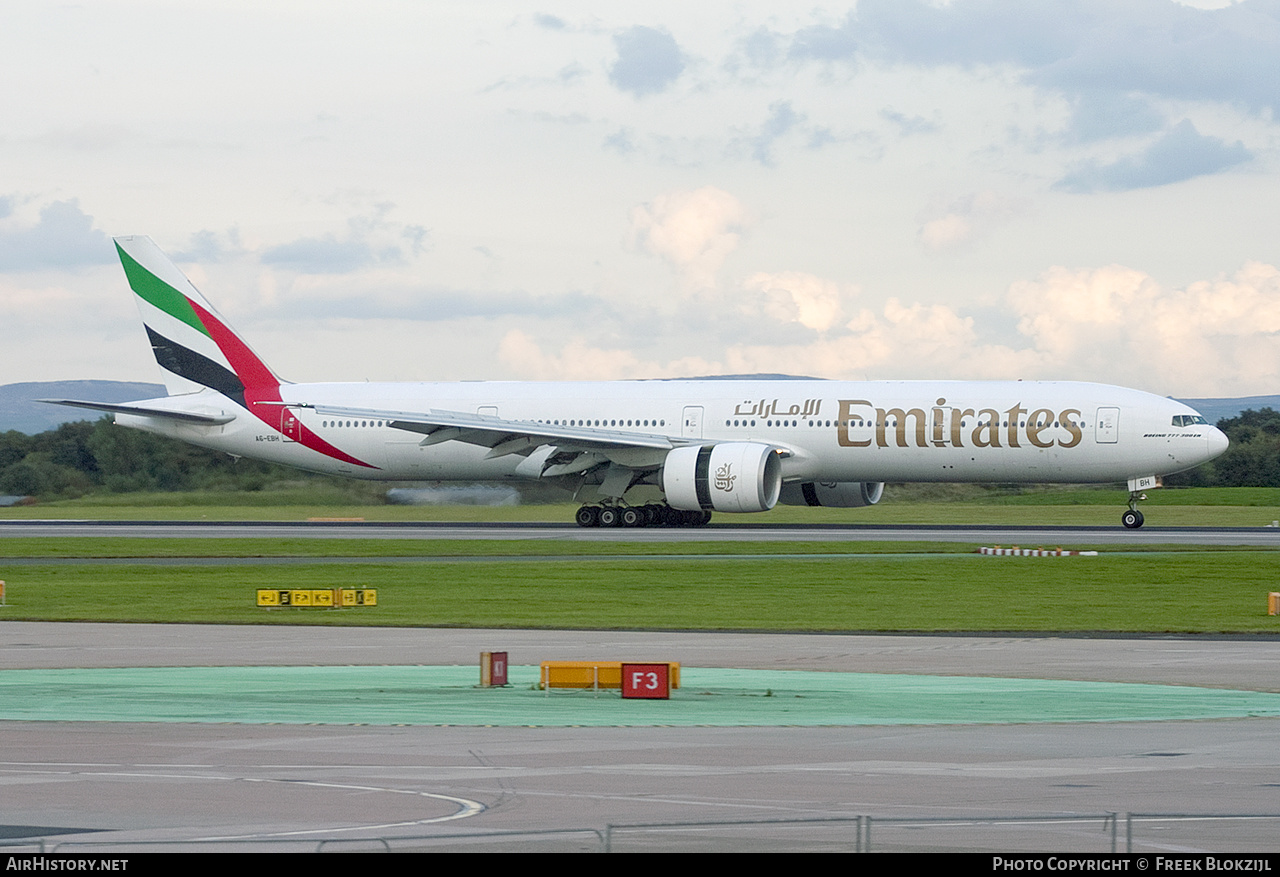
(20, 411)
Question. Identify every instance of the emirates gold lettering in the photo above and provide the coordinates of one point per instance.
(1015, 417)
(847, 414)
(988, 422)
(900, 426)
(942, 425)
(1068, 420)
(957, 421)
(1040, 420)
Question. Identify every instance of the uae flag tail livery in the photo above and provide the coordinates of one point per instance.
(198, 353)
(193, 344)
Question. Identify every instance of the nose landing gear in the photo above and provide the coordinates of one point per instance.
(1132, 519)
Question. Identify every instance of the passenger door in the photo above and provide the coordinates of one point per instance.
(691, 422)
(1107, 426)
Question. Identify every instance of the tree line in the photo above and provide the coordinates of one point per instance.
(87, 457)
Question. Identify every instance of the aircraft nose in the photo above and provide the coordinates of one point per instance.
(1216, 442)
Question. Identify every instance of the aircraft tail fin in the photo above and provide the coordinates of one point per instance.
(194, 346)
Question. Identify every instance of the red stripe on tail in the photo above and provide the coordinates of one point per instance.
(260, 385)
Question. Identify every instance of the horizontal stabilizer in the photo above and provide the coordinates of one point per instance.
(185, 416)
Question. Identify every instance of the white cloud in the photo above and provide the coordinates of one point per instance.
(1066, 313)
(794, 296)
(577, 361)
(368, 241)
(64, 237)
(946, 231)
(693, 230)
(896, 341)
(1119, 325)
(68, 330)
(1111, 324)
(958, 222)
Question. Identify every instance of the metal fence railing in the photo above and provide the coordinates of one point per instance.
(1234, 832)
(1066, 832)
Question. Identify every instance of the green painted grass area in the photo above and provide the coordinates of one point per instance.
(948, 504)
(710, 697)
(1199, 591)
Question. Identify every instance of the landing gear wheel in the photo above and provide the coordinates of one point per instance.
(588, 516)
(632, 517)
(1133, 519)
(609, 517)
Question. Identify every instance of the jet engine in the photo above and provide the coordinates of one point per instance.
(832, 494)
(729, 477)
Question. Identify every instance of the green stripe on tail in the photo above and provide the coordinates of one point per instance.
(155, 291)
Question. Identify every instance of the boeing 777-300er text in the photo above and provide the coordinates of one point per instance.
(696, 445)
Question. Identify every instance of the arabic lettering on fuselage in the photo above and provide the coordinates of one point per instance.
(765, 408)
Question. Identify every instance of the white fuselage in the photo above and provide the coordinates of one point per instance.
(833, 431)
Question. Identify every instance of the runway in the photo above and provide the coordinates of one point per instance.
(716, 532)
(247, 786)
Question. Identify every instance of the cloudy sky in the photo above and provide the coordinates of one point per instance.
(1037, 189)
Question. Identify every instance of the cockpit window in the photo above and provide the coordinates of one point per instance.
(1188, 419)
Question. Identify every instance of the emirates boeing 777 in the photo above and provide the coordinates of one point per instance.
(648, 452)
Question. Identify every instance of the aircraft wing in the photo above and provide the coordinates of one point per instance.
(504, 436)
(549, 450)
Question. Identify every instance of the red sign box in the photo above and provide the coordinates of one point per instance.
(493, 668)
(650, 681)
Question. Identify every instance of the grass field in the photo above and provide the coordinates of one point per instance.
(735, 586)
(722, 586)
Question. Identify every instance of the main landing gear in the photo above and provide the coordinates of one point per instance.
(1132, 519)
(652, 515)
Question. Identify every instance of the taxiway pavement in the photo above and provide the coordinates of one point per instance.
(95, 783)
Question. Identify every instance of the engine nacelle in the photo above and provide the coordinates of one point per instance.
(832, 494)
(730, 477)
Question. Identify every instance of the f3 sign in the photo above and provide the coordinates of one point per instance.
(649, 681)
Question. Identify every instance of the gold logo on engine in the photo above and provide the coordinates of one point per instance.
(725, 478)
